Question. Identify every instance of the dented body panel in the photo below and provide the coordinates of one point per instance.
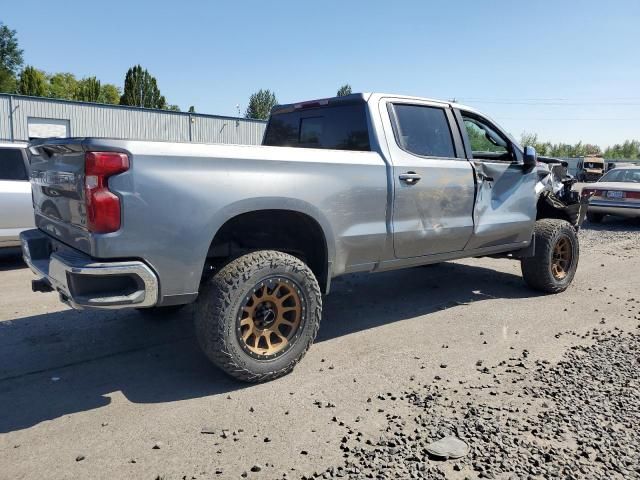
(384, 208)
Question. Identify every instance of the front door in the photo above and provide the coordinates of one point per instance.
(505, 206)
(433, 186)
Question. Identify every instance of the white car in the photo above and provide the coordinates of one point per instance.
(16, 206)
(616, 193)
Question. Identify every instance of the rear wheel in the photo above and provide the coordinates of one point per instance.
(594, 217)
(555, 261)
(256, 318)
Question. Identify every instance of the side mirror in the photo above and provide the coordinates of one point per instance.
(530, 159)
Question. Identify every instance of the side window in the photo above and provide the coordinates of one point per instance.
(485, 142)
(12, 165)
(342, 127)
(423, 131)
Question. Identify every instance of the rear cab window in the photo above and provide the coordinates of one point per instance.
(12, 165)
(327, 124)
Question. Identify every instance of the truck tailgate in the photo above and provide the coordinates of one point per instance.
(57, 183)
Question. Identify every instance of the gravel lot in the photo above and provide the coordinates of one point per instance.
(537, 386)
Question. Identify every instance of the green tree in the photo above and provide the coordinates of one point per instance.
(260, 104)
(529, 139)
(32, 82)
(10, 59)
(10, 53)
(109, 94)
(192, 109)
(629, 150)
(173, 108)
(344, 90)
(8, 82)
(62, 85)
(88, 90)
(141, 89)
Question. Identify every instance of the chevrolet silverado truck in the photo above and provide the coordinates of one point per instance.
(255, 234)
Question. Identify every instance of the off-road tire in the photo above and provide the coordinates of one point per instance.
(537, 270)
(222, 297)
(594, 217)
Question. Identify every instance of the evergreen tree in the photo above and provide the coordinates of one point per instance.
(344, 90)
(141, 90)
(260, 104)
(88, 90)
(10, 59)
(32, 82)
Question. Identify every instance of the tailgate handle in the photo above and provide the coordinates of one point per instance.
(410, 178)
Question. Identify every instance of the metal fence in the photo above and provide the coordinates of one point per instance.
(21, 117)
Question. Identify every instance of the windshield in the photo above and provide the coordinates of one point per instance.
(631, 175)
(593, 164)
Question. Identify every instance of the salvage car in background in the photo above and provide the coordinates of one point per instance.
(616, 193)
(590, 169)
(16, 207)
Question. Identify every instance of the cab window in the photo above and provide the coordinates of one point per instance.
(423, 131)
(486, 143)
(12, 164)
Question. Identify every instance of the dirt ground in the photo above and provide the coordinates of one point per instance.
(115, 395)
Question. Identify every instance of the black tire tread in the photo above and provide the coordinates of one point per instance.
(535, 269)
(217, 296)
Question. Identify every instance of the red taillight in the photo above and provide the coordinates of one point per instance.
(103, 206)
(588, 192)
(634, 195)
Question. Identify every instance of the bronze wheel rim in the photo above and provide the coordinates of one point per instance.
(562, 257)
(270, 318)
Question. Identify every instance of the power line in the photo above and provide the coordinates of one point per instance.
(552, 103)
(571, 119)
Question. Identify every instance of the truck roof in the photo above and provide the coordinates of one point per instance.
(355, 98)
(13, 144)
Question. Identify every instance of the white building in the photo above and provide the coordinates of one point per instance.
(24, 118)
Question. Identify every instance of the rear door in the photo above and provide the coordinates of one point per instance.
(433, 183)
(505, 205)
(16, 210)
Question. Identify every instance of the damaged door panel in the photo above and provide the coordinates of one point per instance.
(505, 203)
(505, 207)
(434, 188)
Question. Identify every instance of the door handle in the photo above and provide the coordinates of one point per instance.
(410, 178)
(484, 177)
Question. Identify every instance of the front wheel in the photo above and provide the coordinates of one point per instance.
(553, 266)
(256, 318)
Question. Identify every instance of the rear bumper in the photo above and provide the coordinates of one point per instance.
(615, 208)
(84, 282)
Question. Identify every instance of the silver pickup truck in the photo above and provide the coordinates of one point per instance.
(254, 234)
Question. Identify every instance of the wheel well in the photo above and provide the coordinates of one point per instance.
(546, 209)
(287, 231)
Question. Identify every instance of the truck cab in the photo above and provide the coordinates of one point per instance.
(591, 168)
